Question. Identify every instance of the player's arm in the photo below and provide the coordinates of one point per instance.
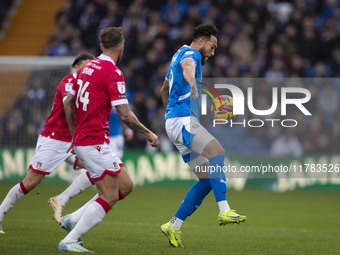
(130, 119)
(165, 92)
(189, 69)
(69, 112)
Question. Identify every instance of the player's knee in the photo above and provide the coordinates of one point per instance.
(212, 149)
(127, 188)
(220, 151)
(110, 199)
(217, 151)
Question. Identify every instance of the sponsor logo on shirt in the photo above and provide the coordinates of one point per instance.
(96, 66)
(189, 52)
(121, 87)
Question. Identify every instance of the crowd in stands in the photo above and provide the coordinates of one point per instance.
(257, 39)
(5, 9)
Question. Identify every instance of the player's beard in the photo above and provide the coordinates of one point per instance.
(203, 54)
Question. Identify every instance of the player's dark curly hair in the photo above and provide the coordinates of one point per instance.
(81, 57)
(204, 30)
(111, 37)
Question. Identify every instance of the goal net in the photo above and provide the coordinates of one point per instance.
(27, 89)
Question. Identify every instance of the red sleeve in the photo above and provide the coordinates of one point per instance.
(72, 89)
(66, 88)
(116, 88)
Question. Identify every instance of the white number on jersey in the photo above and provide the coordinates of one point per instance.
(171, 79)
(82, 95)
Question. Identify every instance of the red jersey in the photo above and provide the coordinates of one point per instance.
(100, 86)
(56, 126)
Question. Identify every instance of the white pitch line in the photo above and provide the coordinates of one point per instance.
(188, 226)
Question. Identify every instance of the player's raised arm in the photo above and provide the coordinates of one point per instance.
(189, 69)
(130, 119)
(69, 112)
(165, 92)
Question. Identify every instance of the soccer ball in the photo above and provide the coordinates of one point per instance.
(223, 111)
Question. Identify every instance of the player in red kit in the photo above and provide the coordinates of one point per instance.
(100, 86)
(52, 144)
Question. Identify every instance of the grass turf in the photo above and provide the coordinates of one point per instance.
(299, 222)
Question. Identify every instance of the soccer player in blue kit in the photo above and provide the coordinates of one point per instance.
(198, 147)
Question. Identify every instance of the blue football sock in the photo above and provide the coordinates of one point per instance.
(217, 177)
(193, 199)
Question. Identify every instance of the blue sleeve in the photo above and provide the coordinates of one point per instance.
(194, 55)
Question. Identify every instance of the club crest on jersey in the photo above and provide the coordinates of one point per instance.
(98, 148)
(121, 87)
(115, 165)
(68, 87)
(38, 166)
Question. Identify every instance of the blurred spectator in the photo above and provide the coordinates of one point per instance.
(286, 145)
(328, 101)
(5, 7)
(63, 31)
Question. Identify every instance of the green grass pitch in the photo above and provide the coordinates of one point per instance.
(299, 222)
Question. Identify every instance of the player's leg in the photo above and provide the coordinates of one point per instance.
(196, 193)
(194, 197)
(202, 142)
(125, 185)
(192, 200)
(68, 221)
(94, 213)
(31, 180)
(49, 154)
(188, 133)
(81, 183)
(103, 166)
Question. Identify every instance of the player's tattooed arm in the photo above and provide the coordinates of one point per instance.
(69, 112)
(130, 119)
(165, 93)
(189, 69)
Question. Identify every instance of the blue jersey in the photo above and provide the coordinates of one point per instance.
(114, 121)
(180, 102)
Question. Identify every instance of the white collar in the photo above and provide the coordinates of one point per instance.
(107, 58)
(74, 75)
